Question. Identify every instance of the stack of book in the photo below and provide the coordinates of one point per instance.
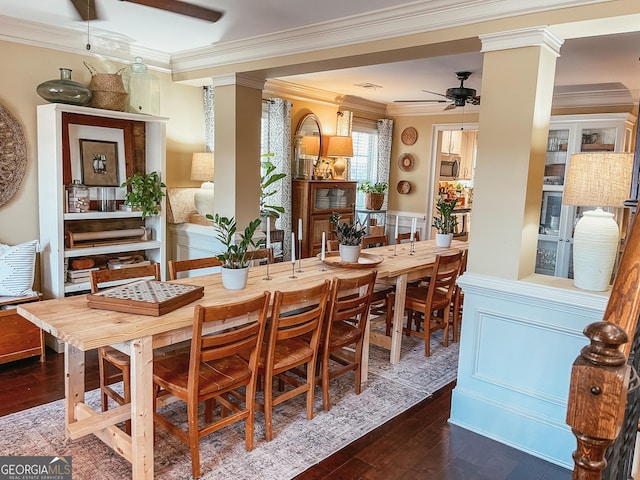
(80, 276)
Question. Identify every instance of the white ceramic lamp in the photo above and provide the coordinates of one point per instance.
(340, 147)
(202, 170)
(598, 179)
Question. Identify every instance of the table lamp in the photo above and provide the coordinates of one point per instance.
(598, 179)
(338, 148)
(202, 170)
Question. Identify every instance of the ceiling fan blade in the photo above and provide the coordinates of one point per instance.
(420, 101)
(182, 8)
(86, 9)
(435, 93)
(451, 106)
(474, 100)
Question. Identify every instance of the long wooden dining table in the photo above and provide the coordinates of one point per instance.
(83, 328)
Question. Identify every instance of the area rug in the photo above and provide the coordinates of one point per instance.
(297, 445)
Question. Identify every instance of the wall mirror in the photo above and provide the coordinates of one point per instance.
(310, 132)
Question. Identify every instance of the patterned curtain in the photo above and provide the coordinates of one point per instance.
(209, 117)
(385, 135)
(343, 128)
(278, 142)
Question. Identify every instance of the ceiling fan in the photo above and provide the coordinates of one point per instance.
(460, 95)
(87, 9)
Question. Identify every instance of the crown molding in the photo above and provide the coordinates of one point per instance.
(524, 37)
(420, 109)
(238, 79)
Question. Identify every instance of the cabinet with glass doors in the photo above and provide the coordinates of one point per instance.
(572, 134)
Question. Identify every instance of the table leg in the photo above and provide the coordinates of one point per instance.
(142, 408)
(73, 381)
(398, 315)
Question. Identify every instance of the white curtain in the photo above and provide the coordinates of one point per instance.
(385, 136)
(209, 117)
(278, 142)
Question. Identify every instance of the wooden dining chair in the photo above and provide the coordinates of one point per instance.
(178, 266)
(115, 366)
(458, 301)
(406, 237)
(432, 301)
(374, 241)
(255, 256)
(344, 329)
(291, 349)
(333, 246)
(214, 371)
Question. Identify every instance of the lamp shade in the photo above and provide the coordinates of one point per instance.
(202, 167)
(599, 179)
(340, 146)
(311, 145)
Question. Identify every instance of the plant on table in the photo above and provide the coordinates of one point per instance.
(144, 192)
(347, 233)
(445, 222)
(235, 255)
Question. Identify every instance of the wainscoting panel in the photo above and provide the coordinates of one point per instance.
(519, 340)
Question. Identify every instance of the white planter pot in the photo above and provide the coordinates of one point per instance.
(444, 239)
(349, 253)
(234, 278)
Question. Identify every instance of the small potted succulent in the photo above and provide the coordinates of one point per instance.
(145, 191)
(445, 222)
(373, 194)
(235, 261)
(350, 237)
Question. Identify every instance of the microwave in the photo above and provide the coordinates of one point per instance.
(450, 168)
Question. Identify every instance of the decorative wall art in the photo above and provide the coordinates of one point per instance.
(409, 136)
(99, 163)
(406, 162)
(91, 139)
(13, 155)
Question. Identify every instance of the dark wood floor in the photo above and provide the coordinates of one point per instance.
(418, 444)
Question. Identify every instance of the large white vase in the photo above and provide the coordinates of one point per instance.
(234, 278)
(349, 253)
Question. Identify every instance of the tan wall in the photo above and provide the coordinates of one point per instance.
(25, 67)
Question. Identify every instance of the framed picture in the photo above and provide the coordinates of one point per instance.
(91, 139)
(99, 163)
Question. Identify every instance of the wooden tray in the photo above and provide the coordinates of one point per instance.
(366, 260)
(145, 297)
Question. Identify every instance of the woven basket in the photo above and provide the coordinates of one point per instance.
(108, 90)
(373, 201)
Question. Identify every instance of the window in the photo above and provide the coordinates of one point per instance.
(364, 160)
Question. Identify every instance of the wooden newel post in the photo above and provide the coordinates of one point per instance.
(597, 397)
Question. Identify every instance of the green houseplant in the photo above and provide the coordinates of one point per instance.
(445, 222)
(145, 191)
(373, 194)
(350, 237)
(235, 261)
(268, 187)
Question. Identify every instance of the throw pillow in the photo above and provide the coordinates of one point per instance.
(17, 264)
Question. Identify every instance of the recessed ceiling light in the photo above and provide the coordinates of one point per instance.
(368, 85)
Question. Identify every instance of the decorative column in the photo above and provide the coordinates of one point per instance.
(238, 113)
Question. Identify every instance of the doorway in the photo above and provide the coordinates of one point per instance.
(453, 158)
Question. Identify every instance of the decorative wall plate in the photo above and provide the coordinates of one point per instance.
(406, 162)
(409, 136)
(403, 187)
(13, 155)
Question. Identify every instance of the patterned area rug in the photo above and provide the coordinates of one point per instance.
(297, 445)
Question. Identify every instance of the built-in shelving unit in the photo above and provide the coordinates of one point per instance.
(143, 139)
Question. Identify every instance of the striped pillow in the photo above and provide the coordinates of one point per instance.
(17, 265)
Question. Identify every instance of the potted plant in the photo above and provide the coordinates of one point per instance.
(350, 237)
(235, 261)
(373, 194)
(445, 222)
(144, 192)
(268, 188)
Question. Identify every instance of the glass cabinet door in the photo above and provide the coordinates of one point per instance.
(556, 157)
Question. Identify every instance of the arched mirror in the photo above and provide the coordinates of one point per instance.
(310, 133)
